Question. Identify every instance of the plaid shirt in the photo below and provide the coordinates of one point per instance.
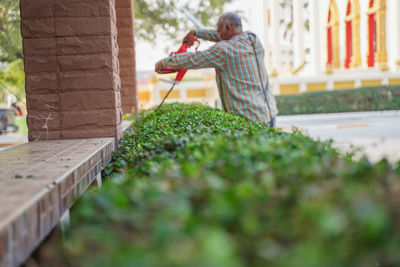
(237, 73)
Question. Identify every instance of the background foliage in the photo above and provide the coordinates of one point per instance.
(159, 17)
(10, 36)
(12, 76)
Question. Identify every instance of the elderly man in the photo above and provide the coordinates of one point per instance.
(240, 72)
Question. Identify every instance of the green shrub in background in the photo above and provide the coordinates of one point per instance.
(201, 187)
(363, 99)
(20, 121)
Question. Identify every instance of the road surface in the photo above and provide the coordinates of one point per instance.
(377, 134)
(11, 139)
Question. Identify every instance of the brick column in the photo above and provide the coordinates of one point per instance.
(126, 43)
(72, 70)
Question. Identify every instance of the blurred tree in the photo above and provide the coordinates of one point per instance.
(164, 17)
(12, 80)
(10, 36)
(12, 77)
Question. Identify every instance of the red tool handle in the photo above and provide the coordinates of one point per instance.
(182, 49)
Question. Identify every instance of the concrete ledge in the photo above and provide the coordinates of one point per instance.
(39, 182)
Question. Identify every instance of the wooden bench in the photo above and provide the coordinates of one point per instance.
(38, 183)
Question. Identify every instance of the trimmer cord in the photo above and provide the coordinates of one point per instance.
(165, 97)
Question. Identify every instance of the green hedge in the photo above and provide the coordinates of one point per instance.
(363, 99)
(195, 186)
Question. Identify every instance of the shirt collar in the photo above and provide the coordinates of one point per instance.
(240, 35)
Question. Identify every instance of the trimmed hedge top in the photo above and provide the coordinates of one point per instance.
(201, 187)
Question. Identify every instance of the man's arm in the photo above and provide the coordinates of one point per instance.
(209, 35)
(211, 58)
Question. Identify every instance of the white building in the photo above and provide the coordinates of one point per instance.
(349, 44)
(311, 45)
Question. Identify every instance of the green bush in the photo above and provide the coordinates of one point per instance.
(194, 186)
(363, 99)
(20, 121)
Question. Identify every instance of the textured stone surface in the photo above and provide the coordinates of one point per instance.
(124, 11)
(39, 47)
(126, 42)
(81, 8)
(92, 79)
(126, 54)
(100, 132)
(38, 28)
(55, 173)
(85, 62)
(72, 67)
(127, 72)
(41, 64)
(90, 100)
(127, 81)
(43, 102)
(125, 32)
(44, 121)
(83, 45)
(36, 135)
(36, 8)
(45, 82)
(90, 119)
(83, 26)
(123, 22)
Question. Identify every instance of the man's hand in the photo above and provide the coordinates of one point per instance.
(189, 38)
(158, 67)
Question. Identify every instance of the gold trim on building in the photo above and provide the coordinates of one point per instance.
(172, 95)
(344, 85)
(274, 73)
(196, 93)
(354, 17)
(394, 81)
(371, 83)
(335, 21)
(329, 69)
(289, 89)
(316, 87)
(144, 96)
(299, 68)
(381, 52)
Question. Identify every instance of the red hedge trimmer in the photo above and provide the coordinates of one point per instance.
(180, 73)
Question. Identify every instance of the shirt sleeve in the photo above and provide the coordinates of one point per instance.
(209, 35)
(214, 57)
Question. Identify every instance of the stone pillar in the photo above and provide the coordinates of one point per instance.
(298, 30)
(276, 45)
(127, 63)
(315, 33)
(72, 71)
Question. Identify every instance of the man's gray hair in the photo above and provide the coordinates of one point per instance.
(230, 18)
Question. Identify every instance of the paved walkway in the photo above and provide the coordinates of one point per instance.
(39, 182)
(376, 134)
(11, 139)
